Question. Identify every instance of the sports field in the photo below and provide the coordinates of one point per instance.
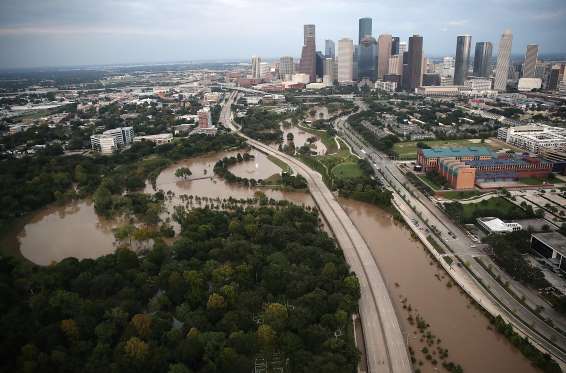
(408, 150)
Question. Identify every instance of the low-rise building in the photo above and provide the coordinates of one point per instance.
(529, 84)
(159, 139)
(497, 226)
(387, 86)
(552, 246)
(534, 138)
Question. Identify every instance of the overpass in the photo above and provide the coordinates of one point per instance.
(385, 344)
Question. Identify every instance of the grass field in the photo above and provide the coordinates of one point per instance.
(500, 206)
(408, 150)
(455, 195)
(284, 166)
(347, 170)
(325, 138)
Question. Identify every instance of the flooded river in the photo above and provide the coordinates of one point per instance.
(414, 280)
(410, 273)
(75, 230)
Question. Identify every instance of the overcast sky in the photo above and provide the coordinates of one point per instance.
(78, 32)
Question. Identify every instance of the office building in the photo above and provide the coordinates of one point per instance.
(394, 78)
(403, 47)
(431, 80)
(205, 126)
(308, 55)
(159, 139)
(286, 68)
(383, 54)
(367, 59)
(413, 77)
(112, 140)
(395, 65)
(531, 56)
(345, 60)
(319, 65)
(386, 86)
(329, 49)
(364, 29)
(329, 71)
(529, 84)
(264, 70)
(256, 69)
(503, 58)
(552, 246)
(478, 84)
(535, 137)
(482, 59)
(462, 62)
(395, 45)
(553, 78)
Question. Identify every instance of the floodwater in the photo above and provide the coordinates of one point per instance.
(57, 232)
(75, 230)
(300, 138)
(204, 183)
(410, 273)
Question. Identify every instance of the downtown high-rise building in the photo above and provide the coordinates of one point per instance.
(395, 65)
(395, 45)
(503, 58)
(462, 61)
(329, 71)
(364, 29)
(413, 77)
(403, 47)
(286, 68)
(308, 55)
(329, 49)
(367, 59)
(256, 67)
(531, 56)
(482, 59)
(383, 54)
(345, 60)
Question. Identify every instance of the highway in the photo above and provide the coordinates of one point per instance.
(420, 211)
(385, 344)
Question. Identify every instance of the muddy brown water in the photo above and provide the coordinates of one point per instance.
(410, 273)
(75, 230)
(300, 137)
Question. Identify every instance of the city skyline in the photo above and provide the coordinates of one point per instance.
(63, 33)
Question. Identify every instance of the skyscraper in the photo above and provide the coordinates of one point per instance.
(502, 67)
(345, 60)
(329, 49)
(256, 67)
(308, 55)
(367, 55)
(364, 28)
(530, 61)
(463, 46)
(413, 78)
(402, 47)
(395, 45)
(329, 71)
(286, 68)
(395, 65)
(319, 64)
(383, 54)
(482, 59)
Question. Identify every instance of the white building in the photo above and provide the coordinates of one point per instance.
(534, 138)
(385, 86)
(301, 78)
(498, 226)
(212, 98)
(264, 69)
(345, 60)
(503, 58)
(478, 84)
(329, 76)
(159, 139)
(112, 140)
(528, 84)
(256, 62)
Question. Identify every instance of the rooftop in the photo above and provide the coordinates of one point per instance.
(472, 151)
(553, 239)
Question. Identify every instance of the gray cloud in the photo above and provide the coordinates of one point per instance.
(59, 32)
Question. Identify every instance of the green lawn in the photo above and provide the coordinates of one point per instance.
(347, 170)
(408, 149)
(497, 206)
(284, 166)
(325, 138)
(455, 195)
(429, 182)
(531, 181)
